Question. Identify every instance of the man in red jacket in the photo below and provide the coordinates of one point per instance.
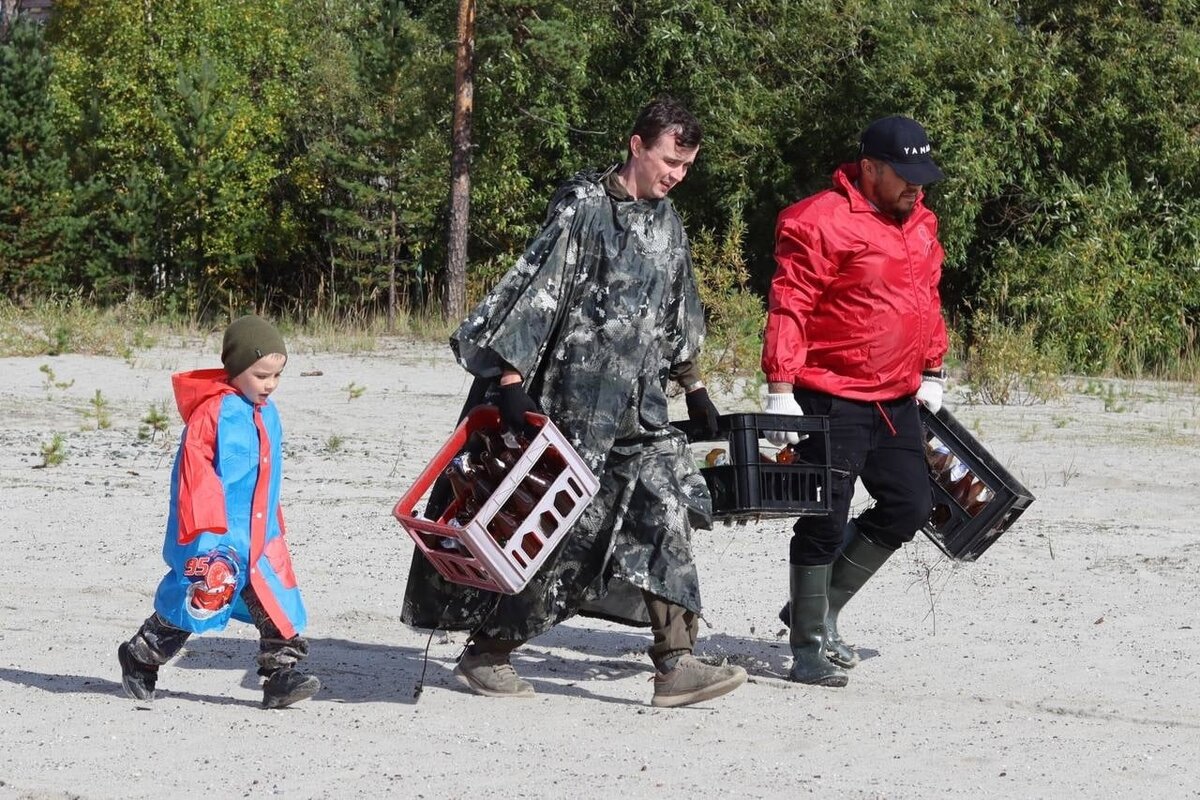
(855, 333)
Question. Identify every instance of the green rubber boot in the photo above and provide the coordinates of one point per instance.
(860, 559)
(810, 604)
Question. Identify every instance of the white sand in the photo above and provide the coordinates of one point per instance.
(1062, 664)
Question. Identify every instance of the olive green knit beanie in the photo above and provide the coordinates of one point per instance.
(247, 339)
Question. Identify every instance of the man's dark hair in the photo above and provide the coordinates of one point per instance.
(667, 115)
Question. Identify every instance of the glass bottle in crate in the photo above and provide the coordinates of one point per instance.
(497, 447)
(544, 472)
(473, 487)
(980, 499)
(497, 464)
(520, 503)
(955, 478)
(939, 516)
(537, 483)
(939, 457)
(459, 473)
(971, 494)
(502, 526)
(962, 488)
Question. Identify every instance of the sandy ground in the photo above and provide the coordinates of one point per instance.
(1061, 664)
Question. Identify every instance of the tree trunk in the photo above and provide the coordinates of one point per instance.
(392, 253)
(8, 12)
(455, 300)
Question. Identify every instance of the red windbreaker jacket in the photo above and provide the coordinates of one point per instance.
(854, 309)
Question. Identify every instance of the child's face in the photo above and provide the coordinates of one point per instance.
(258, 380)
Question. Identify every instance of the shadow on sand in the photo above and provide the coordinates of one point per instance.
(354, 672)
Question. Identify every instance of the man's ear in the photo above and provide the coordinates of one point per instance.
(636, 145)
(866, 166)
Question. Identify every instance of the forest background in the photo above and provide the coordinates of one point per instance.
(194, 159)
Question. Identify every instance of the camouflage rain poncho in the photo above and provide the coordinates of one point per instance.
(595, 314)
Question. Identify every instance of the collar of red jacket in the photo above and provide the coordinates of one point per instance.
(845, 181)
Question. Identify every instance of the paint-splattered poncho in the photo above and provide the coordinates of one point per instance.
(595, 314)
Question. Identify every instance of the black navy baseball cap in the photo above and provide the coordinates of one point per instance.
(902, 143)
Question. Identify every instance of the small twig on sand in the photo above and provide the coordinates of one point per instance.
(396, 463)
(927, 570)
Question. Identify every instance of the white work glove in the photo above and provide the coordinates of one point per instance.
(784, 403)
(930, 393)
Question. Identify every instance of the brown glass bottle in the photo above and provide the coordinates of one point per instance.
(465, 513)
(482, 485)
(939, 458)
(537, 483)
(976, 498)
(966, 489)
(477, 443)
(939, 516)
(459, 474)
(494, 442)
(976, 507)
(551, 463)
(502, 526)
(494, 467)
(521, 502)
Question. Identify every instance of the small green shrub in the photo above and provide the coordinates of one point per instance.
(54, 452)
(1005, 367)
(51, 380)
(99, 411)
(735, 315)
(154, 422)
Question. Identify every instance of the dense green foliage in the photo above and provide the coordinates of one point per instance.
(295, 153)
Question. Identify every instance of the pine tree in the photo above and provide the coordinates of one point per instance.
(379, 164)
(34, 191)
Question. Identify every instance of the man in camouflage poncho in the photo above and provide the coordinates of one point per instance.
(590, 324)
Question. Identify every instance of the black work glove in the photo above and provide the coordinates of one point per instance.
(513, 403)
(702, 412)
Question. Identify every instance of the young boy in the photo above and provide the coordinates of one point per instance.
(225, 544)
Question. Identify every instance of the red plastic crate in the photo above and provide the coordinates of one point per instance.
(478, 559)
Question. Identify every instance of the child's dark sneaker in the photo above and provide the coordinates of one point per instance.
(286, 686)
(137, 679)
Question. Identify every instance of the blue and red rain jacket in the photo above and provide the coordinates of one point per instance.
(854, 309)
(225, 494)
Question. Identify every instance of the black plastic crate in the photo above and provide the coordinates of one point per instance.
(964, 523)
(754, 485)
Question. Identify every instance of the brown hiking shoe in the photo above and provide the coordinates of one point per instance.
(490, 675)
(693, 681)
